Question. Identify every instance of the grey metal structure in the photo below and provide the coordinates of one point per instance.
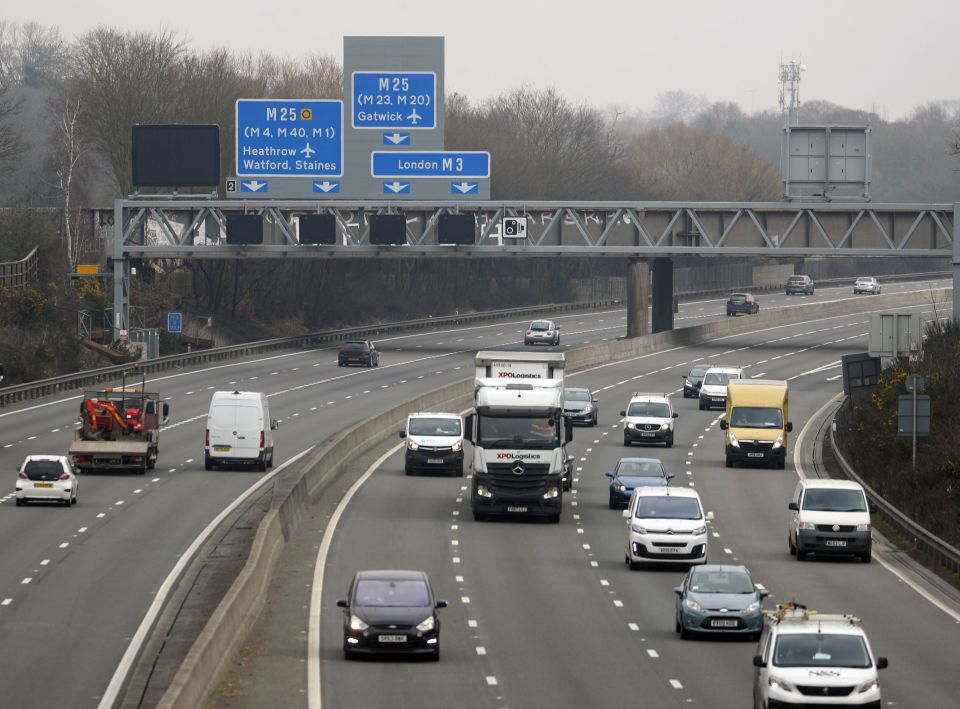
(607, 229)
(825, 163)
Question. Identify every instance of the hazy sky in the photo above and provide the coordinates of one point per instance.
(883, 55)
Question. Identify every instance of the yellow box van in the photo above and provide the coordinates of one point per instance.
(756, 423)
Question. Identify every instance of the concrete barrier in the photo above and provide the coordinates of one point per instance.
(223, 634)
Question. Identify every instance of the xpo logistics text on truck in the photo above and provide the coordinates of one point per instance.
(756, 423)
(518, 432)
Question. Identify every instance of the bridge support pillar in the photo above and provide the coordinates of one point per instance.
(662, 300)
(638, 287)
(956, 261)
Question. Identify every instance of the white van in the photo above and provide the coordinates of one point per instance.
(239, 430)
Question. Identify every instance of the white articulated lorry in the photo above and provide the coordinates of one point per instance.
(518, 432)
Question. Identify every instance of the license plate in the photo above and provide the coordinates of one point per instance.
(754, 455)
(43, 485)
(645, 434)
(836, 542)
(669, 550)
(393, 638)
(717, 401)
(516, 508)
(435, 461)
(720, 623)
(221, 449)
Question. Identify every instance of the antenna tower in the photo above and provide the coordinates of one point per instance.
(790, 91)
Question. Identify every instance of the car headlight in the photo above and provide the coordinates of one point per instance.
(869, 685)
(863, 527)
(631, 425)
(693, 605)
(665, 427)
(621, 488)
(807, 525)
(427, 624)
(688, 383)
(637, 529)
(552, 493)
(777, 683)
(357, 624)
(752, 608)
(457, 446)
(482, 491)
(587, 409)
(779, 442)
(412, 445)
(733, 439)
(699, 530)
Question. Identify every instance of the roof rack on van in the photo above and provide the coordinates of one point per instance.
(648, 393)
(797, 613)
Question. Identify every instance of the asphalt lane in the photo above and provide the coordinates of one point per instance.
(75, 583)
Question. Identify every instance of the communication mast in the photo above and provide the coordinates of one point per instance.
(790, 91)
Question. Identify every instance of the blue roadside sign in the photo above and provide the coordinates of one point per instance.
(174, 322)
(394, 99)
(437, 163)
(289, 137)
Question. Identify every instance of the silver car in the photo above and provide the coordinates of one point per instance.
(542, 332)
(866, 284)
(47, 478)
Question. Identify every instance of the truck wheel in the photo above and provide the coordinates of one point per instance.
(554, 519)
(479, 516)
(729, 461)
(21, 502)
(207, 464)
(262, 465)
(407, 471)
(458, 472)
(865, 558)
(781, 464)
(801, 555)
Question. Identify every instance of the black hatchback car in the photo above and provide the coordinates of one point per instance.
(358, 352)
(391, 611)
(742, 303)
(694, 380)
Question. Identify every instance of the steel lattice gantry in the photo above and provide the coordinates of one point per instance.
(177, 228)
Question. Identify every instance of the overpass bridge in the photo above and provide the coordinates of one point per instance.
(645, 234)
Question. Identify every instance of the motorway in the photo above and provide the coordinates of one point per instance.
(76, 583)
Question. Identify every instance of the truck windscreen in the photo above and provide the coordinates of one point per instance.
(756, 417)
(517, 432)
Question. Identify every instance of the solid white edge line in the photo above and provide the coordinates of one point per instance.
(316, 592)
(136, 642)
(878, 555)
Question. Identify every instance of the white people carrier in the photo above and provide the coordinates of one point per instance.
(239, 430)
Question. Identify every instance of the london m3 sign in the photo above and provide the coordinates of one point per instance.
(289, 137)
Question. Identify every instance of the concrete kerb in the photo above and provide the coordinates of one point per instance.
(223, 634)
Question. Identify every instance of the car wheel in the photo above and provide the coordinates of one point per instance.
(66, 503)
(793, 549)
(458, 472)
(702, 405)
(634, 565)
(676, 625)
(685, 634)
(262, 465)
(347, 654)
(781, 464)
(407, 470)
(435, 657)
(21, 502)
(553, 519)
(865, 558)
(207, 464)
(479, 516)
(613, 505)
(73, 500)
(729, 461)
(626, 442)
(595, 420)
(669, 442)
(270, 462)
(801, 555)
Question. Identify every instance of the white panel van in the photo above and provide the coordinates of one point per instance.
(239, 430)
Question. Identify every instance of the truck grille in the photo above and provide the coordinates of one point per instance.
(435, 449)
(812, 691)
(648, 426)
(756, 446)
(840, 528)
(501, 478)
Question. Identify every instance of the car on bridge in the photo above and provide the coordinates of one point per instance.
(391, 612)
(362, 352)
(719, 598)
(866, 284)
(631, 473)
(742, 304)
(799, 285)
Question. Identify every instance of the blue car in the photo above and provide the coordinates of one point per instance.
(719, 598)
(635, 472)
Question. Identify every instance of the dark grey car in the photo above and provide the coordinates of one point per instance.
(580, 406)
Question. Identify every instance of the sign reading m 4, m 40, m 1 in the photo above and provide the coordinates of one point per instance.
(395, 99)
(289, 137)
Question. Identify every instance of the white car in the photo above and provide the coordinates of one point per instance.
(434, 443)
(866, 284)
(648, 418)
(830, 517)
(713, 391)
(667, 525)
(50, 478)
(808, 659)
(542, 332)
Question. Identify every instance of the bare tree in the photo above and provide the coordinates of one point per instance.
(68, 149)
(10, 141)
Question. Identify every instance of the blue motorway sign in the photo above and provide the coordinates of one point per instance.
(394, 99)
(289, 137)
(174, 322)
(429, 163)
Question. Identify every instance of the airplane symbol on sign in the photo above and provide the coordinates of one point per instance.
(308, 151)
(414, 117)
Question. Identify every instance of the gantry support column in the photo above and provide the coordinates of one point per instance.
(638, 288)
(956, 261)
(662, 300)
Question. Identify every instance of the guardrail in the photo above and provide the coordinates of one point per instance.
(930, 544)
(78, 380)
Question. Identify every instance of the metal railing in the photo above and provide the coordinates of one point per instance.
(935, 548)
(16, 274)
(79, 380)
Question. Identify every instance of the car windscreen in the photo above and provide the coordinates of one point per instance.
(635, 469)
(719, 378)
(756, 417)
(517, 432)
(576, 395)
(434, 427)
(820, 650)
(664, 507)
(653, 409)
(698, 370)
(818, 500)
(354, 345)
(539, 325)
(43, 469)
(387, 593)
(721, 582)
(738, 298)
